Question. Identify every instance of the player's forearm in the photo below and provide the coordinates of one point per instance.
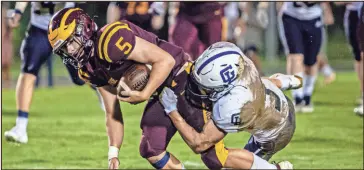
(193, 139)
(19, 10)
(115, 130)
(21, 6)
(159, 73)
(327, 9)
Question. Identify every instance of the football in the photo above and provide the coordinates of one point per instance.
(135, 78)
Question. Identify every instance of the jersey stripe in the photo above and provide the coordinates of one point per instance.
(103, 36)
(108, 38)
(224, 29)
(220, 150)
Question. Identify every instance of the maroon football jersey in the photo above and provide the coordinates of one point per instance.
(136, 12)
(199, 12)
(114, 43)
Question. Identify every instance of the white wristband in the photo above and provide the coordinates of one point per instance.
(113, 152)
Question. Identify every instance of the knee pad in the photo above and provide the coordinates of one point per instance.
(146, 150)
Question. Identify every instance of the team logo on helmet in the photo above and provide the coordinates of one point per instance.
(228, 74)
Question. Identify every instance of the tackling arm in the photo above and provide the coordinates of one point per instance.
(198, 142)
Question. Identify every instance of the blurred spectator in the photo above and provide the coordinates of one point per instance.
(301, 30)
(360, 36)
(147, 15)
(198, 25)
(34, 51)
(49, 64)
(7, 44)
(246, 23)
(322, 61)
(351, 26)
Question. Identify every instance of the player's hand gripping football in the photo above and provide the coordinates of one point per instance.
(133, 97)
(168, 100)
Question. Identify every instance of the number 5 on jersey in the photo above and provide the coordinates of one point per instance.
(123, 46)
(114, 38)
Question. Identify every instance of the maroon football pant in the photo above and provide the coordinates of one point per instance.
(158, 129)
(194, 38)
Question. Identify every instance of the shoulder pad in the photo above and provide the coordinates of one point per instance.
(115, 42)
(227, 108)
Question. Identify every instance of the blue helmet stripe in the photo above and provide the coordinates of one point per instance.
(203, 65)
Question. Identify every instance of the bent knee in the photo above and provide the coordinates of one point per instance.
(148, 151)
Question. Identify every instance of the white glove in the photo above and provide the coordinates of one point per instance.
(168, 100)
(262, 18)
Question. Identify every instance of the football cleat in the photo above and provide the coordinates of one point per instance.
(329, 79)
(295, 82)
(307, 108)
(298, 107)
(359, 110)
(16, 135)
(284, 165)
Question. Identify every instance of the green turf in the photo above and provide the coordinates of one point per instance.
(66, 130)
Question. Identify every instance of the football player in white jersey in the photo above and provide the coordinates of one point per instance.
(239, 100)
(322, 60)
(351, 23)
(301, 33)
(246, 22)
(35, 50)
(360, 34)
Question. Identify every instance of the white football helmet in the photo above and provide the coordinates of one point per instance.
(216, 70)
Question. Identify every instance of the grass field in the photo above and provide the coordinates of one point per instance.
(66, 130)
